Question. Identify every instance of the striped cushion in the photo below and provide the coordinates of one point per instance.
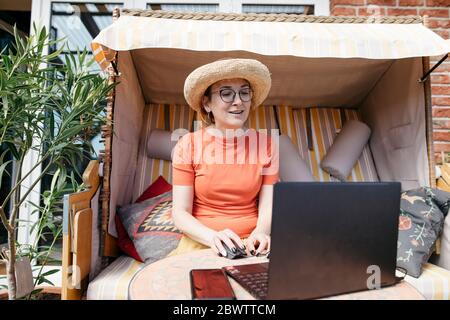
(433, 284)
(148, 170)
(112, 283)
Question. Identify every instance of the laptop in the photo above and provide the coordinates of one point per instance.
(327, 239)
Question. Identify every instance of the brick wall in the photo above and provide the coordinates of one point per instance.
(439, 21)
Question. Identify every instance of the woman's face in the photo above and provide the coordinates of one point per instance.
(229, 113)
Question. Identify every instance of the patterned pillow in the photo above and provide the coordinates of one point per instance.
(150, 226)
(421, 220)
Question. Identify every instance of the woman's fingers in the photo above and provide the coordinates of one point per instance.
(263, 244)
(233, 236)
(219, 246)
(226, 237)
(250, 243)
(261, 241)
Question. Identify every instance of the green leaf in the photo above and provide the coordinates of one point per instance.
(50, 272)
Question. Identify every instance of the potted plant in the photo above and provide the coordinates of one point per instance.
(52, 110)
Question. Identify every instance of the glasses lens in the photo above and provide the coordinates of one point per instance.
(227, 95)
(245, 94)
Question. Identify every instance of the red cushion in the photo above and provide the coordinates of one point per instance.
(124, 242)
(159, 186)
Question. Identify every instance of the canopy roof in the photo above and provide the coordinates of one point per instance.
(271, 35)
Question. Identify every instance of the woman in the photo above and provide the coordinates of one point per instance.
(216, 197)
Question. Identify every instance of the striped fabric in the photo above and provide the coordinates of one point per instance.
(112, 283)
(148, 170)
(326, 40)
(433, 284)
(325, 124)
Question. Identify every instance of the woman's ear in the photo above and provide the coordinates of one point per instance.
(205, 103)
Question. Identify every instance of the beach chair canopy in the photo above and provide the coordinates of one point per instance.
(353, 52)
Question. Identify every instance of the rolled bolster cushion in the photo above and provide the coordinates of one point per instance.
(160, 144)
(292, 166)
(346, 149)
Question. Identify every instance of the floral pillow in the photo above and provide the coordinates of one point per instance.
(422, 214)
(150, 226)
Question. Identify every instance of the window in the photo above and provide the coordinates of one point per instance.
(184, 7)
(311, 7)
(79, 23)
(290, 9)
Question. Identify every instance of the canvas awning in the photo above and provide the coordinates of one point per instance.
(378, 39)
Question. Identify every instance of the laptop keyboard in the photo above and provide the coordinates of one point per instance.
(252, 277)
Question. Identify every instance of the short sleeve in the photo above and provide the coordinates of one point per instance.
(182, 165)
(270, 171)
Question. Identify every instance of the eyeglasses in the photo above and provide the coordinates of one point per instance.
(228, 95)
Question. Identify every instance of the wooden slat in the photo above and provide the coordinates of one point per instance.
(82, 240)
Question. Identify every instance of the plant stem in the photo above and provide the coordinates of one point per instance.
(11, 268)
(5, 220)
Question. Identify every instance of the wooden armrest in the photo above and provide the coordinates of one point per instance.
(77, 236)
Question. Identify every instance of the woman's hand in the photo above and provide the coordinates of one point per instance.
(260, 240)
(226, 236)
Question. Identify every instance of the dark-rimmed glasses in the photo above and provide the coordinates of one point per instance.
(228, 95)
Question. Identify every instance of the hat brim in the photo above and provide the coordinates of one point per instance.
(256, 73)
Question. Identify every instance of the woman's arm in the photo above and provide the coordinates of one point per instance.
(265, 209)
(261, 234)
(182, 215)
(188, 224)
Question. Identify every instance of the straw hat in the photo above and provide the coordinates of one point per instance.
(256, 73)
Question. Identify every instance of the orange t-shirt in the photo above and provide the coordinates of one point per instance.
(227, 175)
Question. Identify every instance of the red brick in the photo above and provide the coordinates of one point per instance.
(436, 13)
(440, 90)
(343, 11)
(371, 11)
(382, 2)
(441, 124)
(442, 33)
(441, 136)
(440, 78)
(438, 147)
(441, 101)
(437, 3)
(441, 113)
(443, 67)
(348, 2)
(414, 3)
(438, 23)
(401, 12)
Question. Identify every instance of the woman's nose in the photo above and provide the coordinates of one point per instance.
(237, 100)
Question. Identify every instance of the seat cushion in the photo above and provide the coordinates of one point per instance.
(433, 284)
(112, 283)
